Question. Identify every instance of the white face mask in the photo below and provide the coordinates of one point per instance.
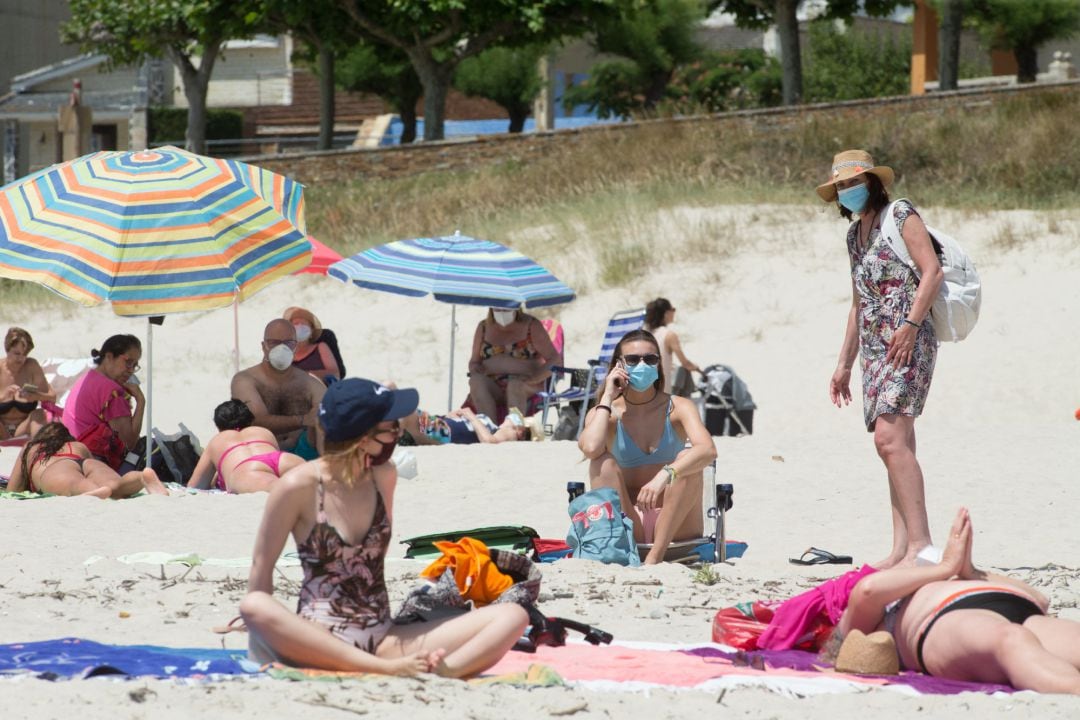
(303, 333)
(504, 317)
(280, 357)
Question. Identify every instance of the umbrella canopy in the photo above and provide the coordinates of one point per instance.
(455, 269)
(322, 257)
(152, 232)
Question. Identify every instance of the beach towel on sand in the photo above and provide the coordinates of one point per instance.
(514, 538)
(78, 658)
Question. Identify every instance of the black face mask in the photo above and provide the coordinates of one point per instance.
(384, 455)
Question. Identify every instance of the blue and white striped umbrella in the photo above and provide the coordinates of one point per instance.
(455, 269)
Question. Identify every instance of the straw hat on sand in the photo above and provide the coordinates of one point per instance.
(873, 654)
(848, 164)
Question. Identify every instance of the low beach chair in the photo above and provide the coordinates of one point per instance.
(582, 381)
(707, 548)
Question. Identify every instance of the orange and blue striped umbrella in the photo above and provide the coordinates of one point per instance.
(153, 231)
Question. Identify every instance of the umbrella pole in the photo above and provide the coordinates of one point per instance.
(236, 335)
(453, 328)
(149, 391)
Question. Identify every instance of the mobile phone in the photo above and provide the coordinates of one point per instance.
(29, 388)
(134, 380)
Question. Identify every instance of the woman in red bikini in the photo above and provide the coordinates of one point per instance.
(241, 458)
(955, 621)
(338, 509)
(53, 462)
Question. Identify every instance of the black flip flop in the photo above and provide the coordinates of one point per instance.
(820, 557)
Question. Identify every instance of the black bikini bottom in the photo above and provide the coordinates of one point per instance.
(1012, 607)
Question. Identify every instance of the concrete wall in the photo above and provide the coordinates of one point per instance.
(30, 37)
(247, 74)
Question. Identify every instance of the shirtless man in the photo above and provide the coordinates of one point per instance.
(284, 399)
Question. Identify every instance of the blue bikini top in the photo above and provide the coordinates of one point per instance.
(628, 454)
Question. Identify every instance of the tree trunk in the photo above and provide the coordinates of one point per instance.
(1027, 63)
(518, 116)
(435, 77)
(952, 18)
(654, 93)
(787, 27)
(407, 112)
(326, 98)
(196, 82)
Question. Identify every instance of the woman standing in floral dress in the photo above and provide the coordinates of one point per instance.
(889, 327)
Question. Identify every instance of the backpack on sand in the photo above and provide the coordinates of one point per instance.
(956, 308)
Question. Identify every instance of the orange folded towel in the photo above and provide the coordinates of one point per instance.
(476, 575)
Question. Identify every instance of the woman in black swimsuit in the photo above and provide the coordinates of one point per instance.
(955, 621)
(53, 462)
(22, 387)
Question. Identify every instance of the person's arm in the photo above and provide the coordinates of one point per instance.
(45, 392)
(129, 427)
(840, 383)
(18, 481)
(317, 390)
(594, 436)
(280, 516)
(674, 345)
(476, 362)
(386, 482)
(541, 341)
(243, 388)
(482, 433)
(969, 572)
(921, 249)
(702, 452)
(203, 474)
(330, 366)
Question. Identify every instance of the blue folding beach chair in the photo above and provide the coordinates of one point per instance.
(582, 381)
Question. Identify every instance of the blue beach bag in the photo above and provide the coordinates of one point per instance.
(600, 531)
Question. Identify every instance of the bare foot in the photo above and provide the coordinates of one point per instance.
(153, 483)
(102, 492)
(889, 562)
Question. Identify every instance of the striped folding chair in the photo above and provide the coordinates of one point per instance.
(582, 381)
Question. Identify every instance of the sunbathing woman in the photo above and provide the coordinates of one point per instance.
(954, 621)
(53, 462)
(241, 458)
(464, 427)
(338, 509)
(656, 470)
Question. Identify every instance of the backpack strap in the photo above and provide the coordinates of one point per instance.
(892, 236)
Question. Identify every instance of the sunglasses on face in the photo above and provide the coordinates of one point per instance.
(131, 365)
(291, 344)
(394, 429)
(649, 359)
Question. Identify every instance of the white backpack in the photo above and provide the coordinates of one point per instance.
(956, 308)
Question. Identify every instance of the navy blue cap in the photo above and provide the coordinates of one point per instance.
(353, 406)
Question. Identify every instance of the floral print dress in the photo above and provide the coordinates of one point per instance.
(886, 288)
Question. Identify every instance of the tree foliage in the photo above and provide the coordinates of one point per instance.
(129, 31)
(1022, 26)
(386, 72)
(507, 76)
(721, 81)
(848, 64)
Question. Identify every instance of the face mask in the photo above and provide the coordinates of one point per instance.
(280, 357)
(854, 198)
(503, 317)
(303, 333)
(384, 455)
(642, 376)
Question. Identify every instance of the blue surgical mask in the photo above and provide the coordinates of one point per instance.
(854, 198)
(641, 376)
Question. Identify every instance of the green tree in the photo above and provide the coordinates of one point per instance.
(783, 14)
(650, 42)
(384, 71)
(846, 65)
(437, 35)
(321, 27)
(129, 31)
(727, 80)
(507, 76)
(1021, 26)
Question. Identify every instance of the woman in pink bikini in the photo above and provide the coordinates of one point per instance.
(54, 462)
(338, 509)
(241, 458)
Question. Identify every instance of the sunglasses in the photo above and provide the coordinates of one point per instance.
(649, 359)
(291, 344)
(394, 429)
(131, 365)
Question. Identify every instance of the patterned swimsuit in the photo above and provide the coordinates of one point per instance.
(886, 287)
(344, 589)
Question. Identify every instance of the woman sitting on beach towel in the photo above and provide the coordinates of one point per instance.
(655, 471)
(954, 621)
(339, 509)
(54, 462)
(241, 458)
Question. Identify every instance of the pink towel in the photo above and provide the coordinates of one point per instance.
(793, 618)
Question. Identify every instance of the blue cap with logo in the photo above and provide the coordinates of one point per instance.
(353, 406)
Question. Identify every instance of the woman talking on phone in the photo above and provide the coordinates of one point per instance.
(636, 439)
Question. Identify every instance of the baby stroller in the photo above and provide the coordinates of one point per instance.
(724, 402)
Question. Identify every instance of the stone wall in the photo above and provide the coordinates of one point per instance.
(403, 161)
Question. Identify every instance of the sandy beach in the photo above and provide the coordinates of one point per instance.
(998, 435)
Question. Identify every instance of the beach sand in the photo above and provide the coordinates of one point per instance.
(998, 436)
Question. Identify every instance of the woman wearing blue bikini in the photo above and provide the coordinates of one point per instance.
(636, 439)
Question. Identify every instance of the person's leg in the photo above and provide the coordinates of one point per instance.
(982, 646)
(32, 423)
(1059, 636)
(681, 516)
(894, 438)
(122, 486)
(605, 472)
(297, 641)
(473, 642)
(518, 393)
(289, 461)
(485, 392)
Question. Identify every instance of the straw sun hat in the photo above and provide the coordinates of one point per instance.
(848, 164)
(873, 654)
(298, 312)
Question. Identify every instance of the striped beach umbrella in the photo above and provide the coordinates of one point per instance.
(152, 232)
(454, 269)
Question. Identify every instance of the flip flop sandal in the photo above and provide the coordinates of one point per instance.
(235, 625)
(820, 557)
